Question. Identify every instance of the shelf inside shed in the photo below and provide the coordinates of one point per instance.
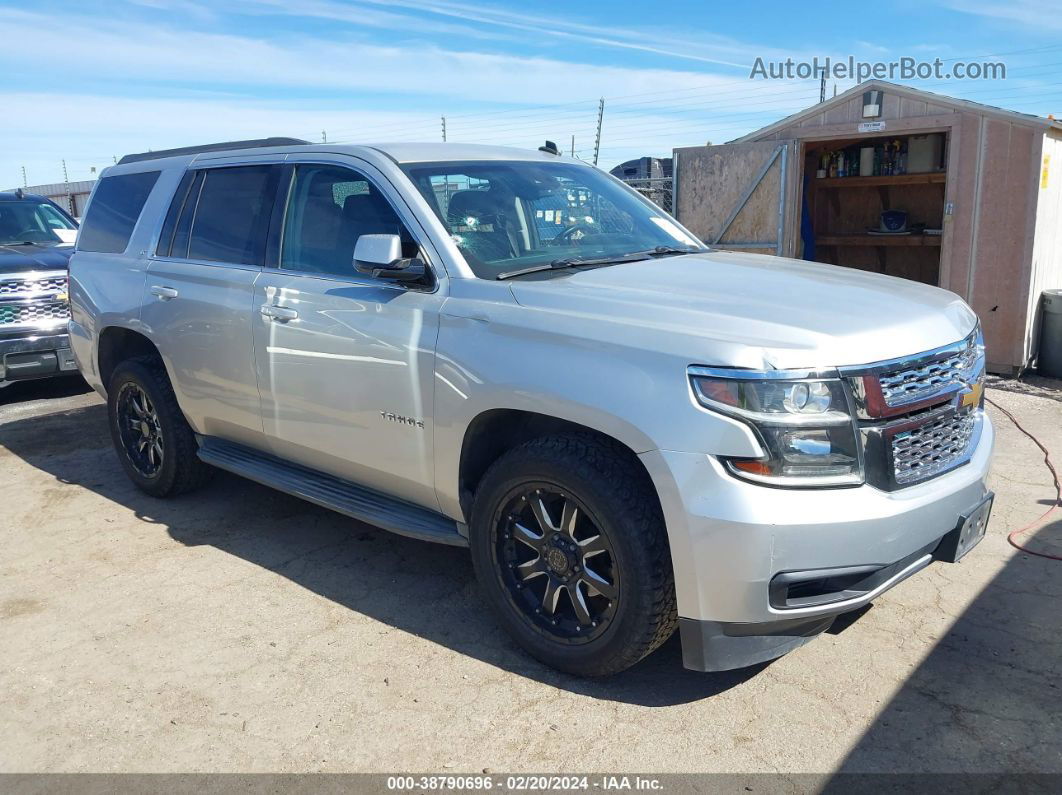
(843, 209)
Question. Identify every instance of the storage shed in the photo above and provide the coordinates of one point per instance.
(898, 181)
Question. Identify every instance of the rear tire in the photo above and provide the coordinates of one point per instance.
(153, 440)
(569, 543)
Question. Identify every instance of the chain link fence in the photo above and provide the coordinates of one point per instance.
(656, 189)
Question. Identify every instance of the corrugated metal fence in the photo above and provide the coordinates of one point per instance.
(71, 196)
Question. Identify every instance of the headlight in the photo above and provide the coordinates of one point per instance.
(803, 422)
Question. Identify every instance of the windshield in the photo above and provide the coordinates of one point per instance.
(508, 216)
(33, 221)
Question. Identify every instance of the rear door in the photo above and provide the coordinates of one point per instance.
(346, 362)
(198, 294)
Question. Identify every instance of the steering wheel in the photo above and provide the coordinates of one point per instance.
(565, 235)
(27, 234)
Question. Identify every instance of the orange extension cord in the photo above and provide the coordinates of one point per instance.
(1058, 490)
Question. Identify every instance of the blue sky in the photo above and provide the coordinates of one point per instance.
(86, 82)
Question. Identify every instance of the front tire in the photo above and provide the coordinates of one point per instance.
(153, 440)
(569, 543)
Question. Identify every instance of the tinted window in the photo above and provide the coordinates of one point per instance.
(176, 205)
(328, 209)
(230, 219)
(113, 211)
(187, 208)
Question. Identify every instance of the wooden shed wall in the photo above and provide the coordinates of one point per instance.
(999, 247)
(993, 185)
(1047, 251)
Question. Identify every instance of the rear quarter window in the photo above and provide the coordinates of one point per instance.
(114, 210)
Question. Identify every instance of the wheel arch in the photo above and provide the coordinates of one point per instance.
(116, 344)
(493, 432)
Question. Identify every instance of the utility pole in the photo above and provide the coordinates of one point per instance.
(25, 182)
(822, 87)
(573, 144)
(324, 137)
(444, 128)
(600, 118)
(66, 177)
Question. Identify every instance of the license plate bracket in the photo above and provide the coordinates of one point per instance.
(967, 533)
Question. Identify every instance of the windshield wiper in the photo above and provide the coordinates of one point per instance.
(572, 262)
(667, 251)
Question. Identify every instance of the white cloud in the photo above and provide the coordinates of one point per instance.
(422, 15)
(141, 52)
(1039, 14)
(181, 86)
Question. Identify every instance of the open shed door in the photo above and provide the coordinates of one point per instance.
(738, 196)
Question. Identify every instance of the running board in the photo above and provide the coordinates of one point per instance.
(331, 492)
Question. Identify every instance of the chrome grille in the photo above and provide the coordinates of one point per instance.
(911, 384)
(932, 448)
(30, 287)
(35, 314)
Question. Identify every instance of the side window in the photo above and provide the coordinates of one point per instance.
(177, 204)
(51, 217)
(114, 210)
(229, 218)
(328, 209)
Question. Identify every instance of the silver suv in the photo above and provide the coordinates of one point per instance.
(513, 352)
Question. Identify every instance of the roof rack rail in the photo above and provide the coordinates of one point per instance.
(256, 143)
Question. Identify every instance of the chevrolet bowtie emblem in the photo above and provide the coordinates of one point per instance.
(972, 398)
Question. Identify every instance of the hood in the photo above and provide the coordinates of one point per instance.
(755, 310)
(16, 259)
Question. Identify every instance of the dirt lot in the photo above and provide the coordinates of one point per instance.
(243, 630)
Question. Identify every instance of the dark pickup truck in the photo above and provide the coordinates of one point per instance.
(36, 241)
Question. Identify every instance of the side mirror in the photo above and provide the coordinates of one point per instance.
(381, 257)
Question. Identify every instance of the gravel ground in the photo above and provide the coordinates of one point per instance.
(243, 630)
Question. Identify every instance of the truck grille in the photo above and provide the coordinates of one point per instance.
(31, 288)
(36, 314)
(932, 448)
(919, 416)
(909, 385)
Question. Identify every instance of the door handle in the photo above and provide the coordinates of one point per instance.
(165, 293)
(281, 314)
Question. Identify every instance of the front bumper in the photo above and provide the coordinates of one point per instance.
(730, 539)
(23, 358)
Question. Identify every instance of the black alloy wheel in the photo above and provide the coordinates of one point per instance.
(556, 564)
(155, 444)
(570, 548)
(140, 430)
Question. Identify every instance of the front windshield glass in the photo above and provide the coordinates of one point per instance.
(31, 221)
(508, 216)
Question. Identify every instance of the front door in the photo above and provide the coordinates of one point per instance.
(346, 362)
